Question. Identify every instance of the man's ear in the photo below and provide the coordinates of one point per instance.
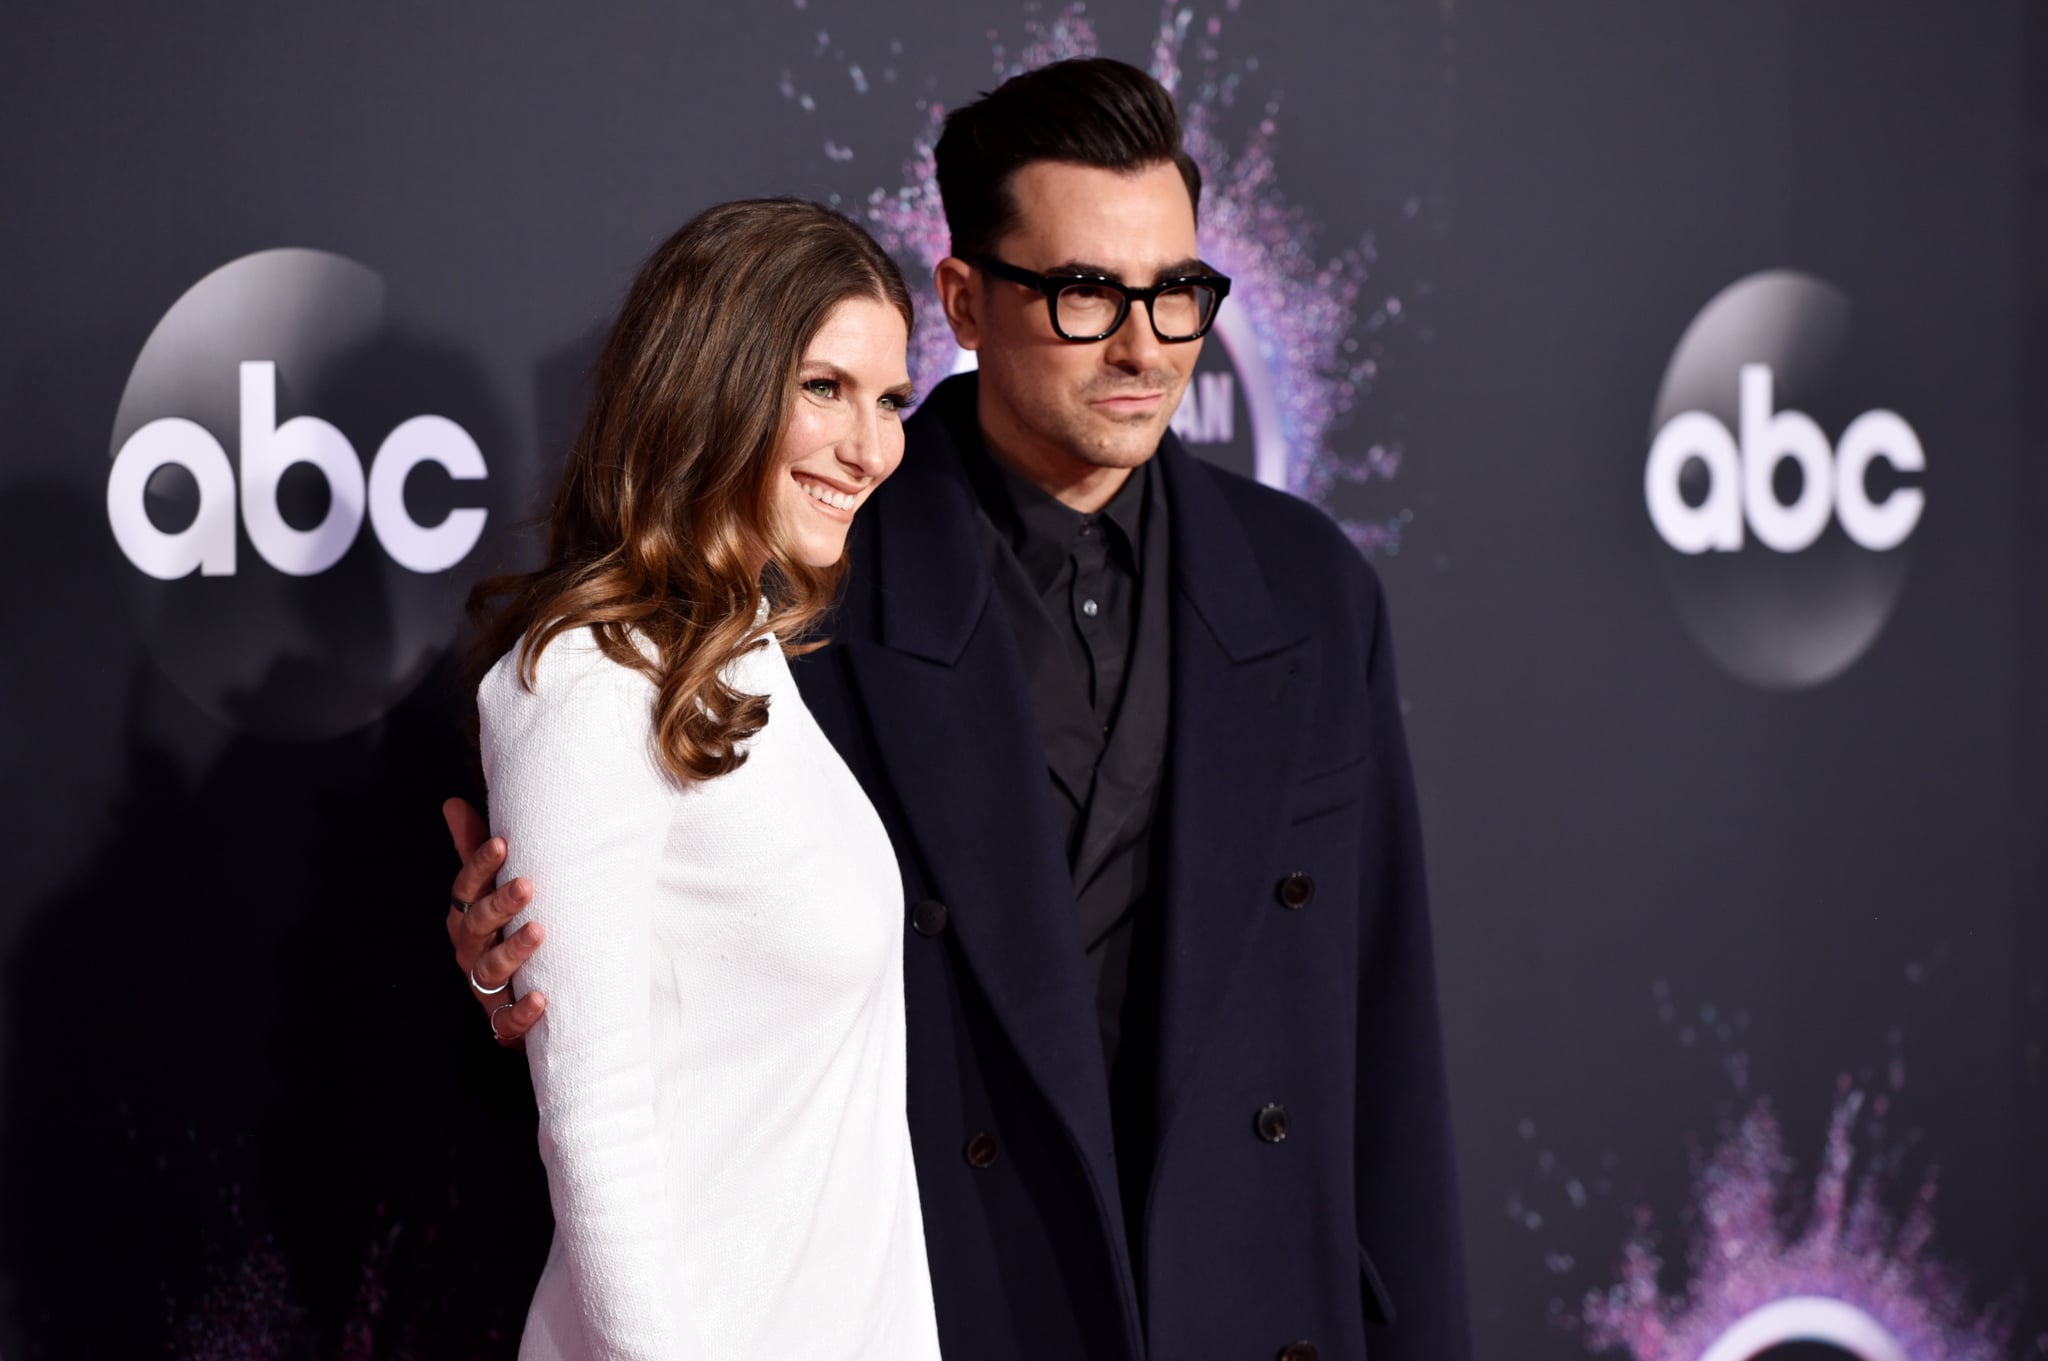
(960, 296)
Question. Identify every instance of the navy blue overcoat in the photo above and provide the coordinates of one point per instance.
(1288, 779)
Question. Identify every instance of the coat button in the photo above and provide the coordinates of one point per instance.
(928, 917)
(1271, 1123)
(981, 1150)
(1295, 890)
(1298, 1351)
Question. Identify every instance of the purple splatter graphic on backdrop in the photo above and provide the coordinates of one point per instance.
(1305, 313)
(1772, 1258)
(1319, 338)
(1744, 1260)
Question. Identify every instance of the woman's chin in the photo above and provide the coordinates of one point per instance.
(820, 551)
(812, 540)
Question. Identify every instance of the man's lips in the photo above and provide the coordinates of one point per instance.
(1129, 403)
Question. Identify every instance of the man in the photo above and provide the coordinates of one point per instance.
(1176, 1084)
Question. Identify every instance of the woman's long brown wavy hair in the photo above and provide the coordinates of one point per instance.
(667, 501)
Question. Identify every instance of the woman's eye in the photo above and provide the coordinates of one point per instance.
(822, 387)
(899, 405)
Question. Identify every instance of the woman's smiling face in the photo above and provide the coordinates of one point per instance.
(845, 429)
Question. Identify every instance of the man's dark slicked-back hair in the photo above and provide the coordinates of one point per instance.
(1087, 111)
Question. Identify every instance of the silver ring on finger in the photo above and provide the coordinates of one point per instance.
(483, 991)
(502, 1006)
(457, 905)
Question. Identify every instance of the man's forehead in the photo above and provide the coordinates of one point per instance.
(1129, 223)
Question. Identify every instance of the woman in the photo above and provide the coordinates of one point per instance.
(720, 1068)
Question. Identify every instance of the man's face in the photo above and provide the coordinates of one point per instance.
(1057, 407)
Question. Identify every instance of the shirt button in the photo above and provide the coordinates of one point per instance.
(981, 1150)
(928, 918)
(1271, 1123)
(1090, 608)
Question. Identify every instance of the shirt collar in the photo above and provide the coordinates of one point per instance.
(1043, 530)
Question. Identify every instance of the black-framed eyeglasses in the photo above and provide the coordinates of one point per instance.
(1090, 307)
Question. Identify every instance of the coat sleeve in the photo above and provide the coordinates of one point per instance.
(584, 806)
(1407, 1185)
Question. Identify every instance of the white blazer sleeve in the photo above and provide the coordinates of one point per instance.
(578, 794)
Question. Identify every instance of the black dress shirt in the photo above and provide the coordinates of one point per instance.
(1084, 569)
(1087, 597)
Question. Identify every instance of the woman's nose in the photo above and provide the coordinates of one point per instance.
(862, 449)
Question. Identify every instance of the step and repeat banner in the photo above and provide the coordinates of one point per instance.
(1681, 368)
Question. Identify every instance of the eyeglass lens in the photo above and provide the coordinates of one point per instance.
(1090, 309)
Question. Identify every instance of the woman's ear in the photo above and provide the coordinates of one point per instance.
(959, 285)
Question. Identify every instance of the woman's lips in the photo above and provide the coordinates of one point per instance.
(826, 496)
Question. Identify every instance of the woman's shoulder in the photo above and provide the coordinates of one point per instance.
(572, 670)
(575, 718)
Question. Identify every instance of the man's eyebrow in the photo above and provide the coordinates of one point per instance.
(1177, 269)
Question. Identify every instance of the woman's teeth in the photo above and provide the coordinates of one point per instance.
(837, 500)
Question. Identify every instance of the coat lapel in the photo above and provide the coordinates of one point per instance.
(942, 683)
(1240, 700)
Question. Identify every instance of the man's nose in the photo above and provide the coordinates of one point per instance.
(1135, 348)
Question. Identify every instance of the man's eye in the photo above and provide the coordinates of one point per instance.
(822, 387)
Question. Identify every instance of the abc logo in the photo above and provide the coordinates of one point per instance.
(268, 450)
(240, 502)
(1741, 477)
(1783, 548)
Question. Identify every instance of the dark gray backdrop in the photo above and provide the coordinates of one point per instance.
(245, 1107)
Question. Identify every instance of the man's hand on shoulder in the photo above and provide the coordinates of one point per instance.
(477, 914)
